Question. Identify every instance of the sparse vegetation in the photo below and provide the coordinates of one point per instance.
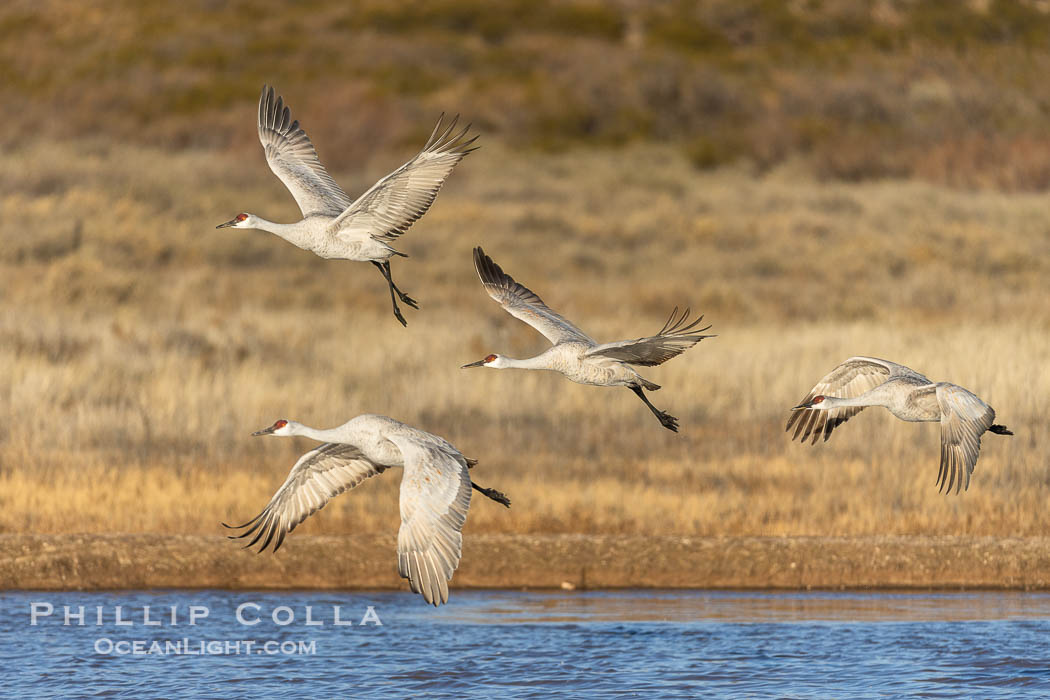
(947, 92)
(137, 356)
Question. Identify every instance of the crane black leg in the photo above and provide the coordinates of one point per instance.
(401, 295)
(495, 495)
(384, 268)
(666, 419)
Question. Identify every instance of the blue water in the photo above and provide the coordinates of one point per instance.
(516, 644)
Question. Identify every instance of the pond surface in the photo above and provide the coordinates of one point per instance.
(519, 644)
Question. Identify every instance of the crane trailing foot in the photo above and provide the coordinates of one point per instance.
(497, 496)
(666, 419)
(384, 268)
(406, 299)
(1000, 429)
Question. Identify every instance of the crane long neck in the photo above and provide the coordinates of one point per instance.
(538, 362)
(327, 435)
(293, 233)
(865, 399)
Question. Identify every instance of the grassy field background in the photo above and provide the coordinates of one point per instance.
(854, 178)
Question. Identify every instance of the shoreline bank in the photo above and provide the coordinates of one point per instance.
(115, 562)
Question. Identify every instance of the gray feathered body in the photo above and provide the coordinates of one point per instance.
(372, 433)
(576, 355)
(334, 226)
(868, 381)
(315, 234)
(571, 359)
(434, 496)
(901, 397)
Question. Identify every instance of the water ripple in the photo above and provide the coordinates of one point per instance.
(631, 643)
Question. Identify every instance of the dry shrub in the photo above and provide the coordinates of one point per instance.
(853, 90)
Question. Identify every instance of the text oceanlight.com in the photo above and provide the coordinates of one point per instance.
(202, 647)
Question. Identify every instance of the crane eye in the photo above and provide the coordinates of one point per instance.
(818, 399)
(490, 358)
(280, 424)
(241, 217)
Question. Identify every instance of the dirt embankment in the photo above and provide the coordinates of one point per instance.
(520, 561)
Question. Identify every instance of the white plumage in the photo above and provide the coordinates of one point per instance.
(575, 354)
(335, 226)
(434, 499)
(860, 382)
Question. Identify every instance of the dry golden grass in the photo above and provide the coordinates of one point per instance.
(139, 347)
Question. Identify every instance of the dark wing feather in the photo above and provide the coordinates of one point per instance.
(672, 340)
(524, 304)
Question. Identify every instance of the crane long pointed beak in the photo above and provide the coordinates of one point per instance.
(802, 406)
(264, 431)
(229, 223)
(479, 363)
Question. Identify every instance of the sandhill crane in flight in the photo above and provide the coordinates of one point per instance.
(867, 381)
(435, 492)
(335, 226)
(576, 355)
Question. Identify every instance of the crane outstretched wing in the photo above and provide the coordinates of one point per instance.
(294, 161)
(435, 497)
(964, 418)
(850, 379)
(394, 203)
(673, 339)
(319, 476)
(523, 304)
